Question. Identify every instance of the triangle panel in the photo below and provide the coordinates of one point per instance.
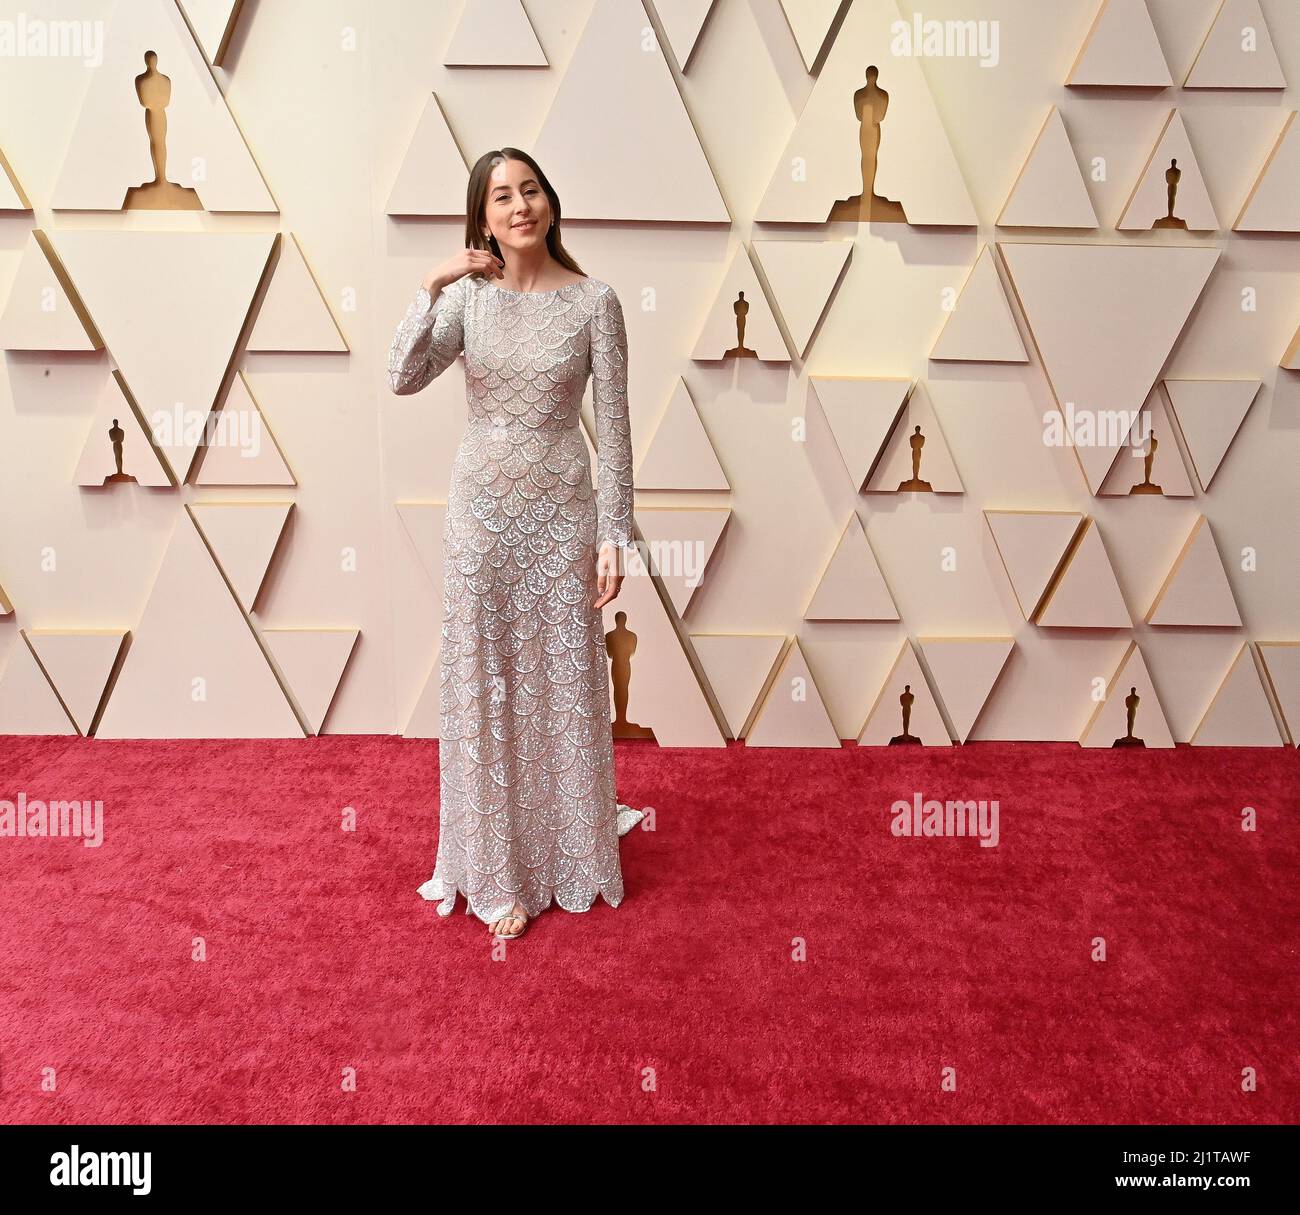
(1085, 594)
(1121, 49)
(738, 667)
(981, 327)
(43, 311)
(802, 275)
(1033, 545)
(852, 586)
(195, 668)
(494, 33)
(681, 454)
(434, 178)
(916, 458)
(1238, 52)
(1196, 590)
(242, 451)
(793, 713)
(116, 430)
(311, 662)
(110, 164)
(617, 97)
(741, 323)
(682, 540)
(1131, 301)
(965, 670)
(1050, 191)
(1239, 715)
(1171, 169)
(294, 316)
(78, 664)
(28, 703)
(914, 176)
(905, 711)
(243, 536)
(1130, 691)
(173, 344)
(1281, 661)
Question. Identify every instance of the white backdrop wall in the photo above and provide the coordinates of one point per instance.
(327, 94)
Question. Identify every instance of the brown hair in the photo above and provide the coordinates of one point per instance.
(476, 206)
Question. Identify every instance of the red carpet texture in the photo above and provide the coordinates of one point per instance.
(781, 955)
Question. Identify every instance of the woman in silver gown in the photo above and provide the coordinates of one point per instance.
(531, 552)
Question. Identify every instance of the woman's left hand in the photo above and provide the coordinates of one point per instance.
(609, 574)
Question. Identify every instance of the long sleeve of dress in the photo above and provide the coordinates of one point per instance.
(613, 429)
(428, 339)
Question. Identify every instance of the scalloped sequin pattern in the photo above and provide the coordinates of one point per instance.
(528, 811)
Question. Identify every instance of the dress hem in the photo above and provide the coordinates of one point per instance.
(437, 890)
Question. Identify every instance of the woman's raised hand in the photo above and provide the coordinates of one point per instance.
(467, 261)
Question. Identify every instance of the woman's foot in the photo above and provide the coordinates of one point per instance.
(510, 926)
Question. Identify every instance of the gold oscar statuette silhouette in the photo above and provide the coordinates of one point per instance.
(1173, 175)
(1131, 702)
(916, 440)
(155, 93)
(117, 435)
(740, 350)
(870, 104)
(1145, 486)
(620, 645)
(906, 700)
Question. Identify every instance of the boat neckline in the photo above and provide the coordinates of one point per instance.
(509, 291)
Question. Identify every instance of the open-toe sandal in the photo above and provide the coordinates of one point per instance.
(512, 936)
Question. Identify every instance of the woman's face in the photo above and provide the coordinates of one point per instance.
(517, 211)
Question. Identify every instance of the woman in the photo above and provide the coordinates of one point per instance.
(531, 553)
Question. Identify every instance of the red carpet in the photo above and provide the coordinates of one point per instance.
(922, 954)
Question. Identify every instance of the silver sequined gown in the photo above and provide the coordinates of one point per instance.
(528, 812)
